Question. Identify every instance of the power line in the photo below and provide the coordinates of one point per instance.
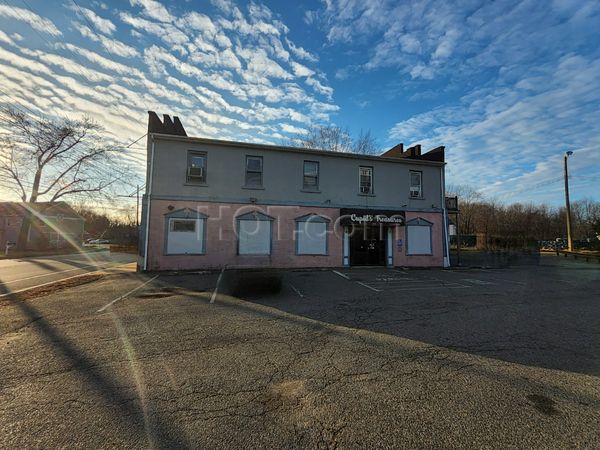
(75, 56)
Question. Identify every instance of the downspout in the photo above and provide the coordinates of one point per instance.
(445, 217)
(148, 196)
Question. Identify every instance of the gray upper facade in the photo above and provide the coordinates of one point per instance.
(197, 169)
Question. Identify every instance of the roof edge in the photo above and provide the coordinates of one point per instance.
(270, 147)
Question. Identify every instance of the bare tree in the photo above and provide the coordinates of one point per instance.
(335, 139)
(468, 199)
(45, 159)
(365, 144)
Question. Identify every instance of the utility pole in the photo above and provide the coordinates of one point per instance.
(568, 204)
(137, 210)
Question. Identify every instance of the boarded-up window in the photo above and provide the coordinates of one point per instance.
(418, 237)
(185, 236)
(254, 234)
(311, 235)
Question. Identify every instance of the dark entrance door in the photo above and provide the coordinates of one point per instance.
(367, 245)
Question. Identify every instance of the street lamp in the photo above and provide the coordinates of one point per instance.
(569, 238)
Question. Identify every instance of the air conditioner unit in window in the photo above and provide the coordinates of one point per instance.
(196, 172)
(415, 193)
(365, 189)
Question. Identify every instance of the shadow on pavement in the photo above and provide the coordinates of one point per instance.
(164, 433)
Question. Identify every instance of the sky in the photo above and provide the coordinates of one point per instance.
(507, 86)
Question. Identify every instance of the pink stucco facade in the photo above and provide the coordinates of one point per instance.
(221, 240)
(401, 259)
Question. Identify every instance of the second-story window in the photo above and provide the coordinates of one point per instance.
(196, 167)
(310, 178)
(416, 184)
(254, 171)
(365, 180)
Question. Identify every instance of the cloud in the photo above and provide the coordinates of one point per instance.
(234, 75)
(291, 129)
(259, 64)
(301, 70)
(310, 17)
(113, 46)
(517, 135)
(225, 6)
(301, 53)
(101, 24)
(38, 23)
(199, 22)
(121, 69)
(422, 71)
(319, 87)
(167, 32)
(154, 10)
(6, 38)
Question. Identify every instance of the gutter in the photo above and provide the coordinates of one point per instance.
(148, 197)
(445, 218)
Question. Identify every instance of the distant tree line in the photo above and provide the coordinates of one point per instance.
(521, 225)
(119, 229)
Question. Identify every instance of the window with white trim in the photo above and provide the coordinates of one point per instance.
(254, 234)
(418, 237)
(254, 171)
(416, 184)
(311, 235)
(365, 180)
(196, 167)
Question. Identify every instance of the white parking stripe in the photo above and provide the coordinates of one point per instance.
(476, 281)
(341, 274)
(369, 287)
(297, 291)
(127, 294)
(214, 294)
(429, 288)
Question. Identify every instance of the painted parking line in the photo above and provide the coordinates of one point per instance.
(214, 294)
(393, 286)
(369, 287)
(341, 274)
(295, 289)
(493, 279)
(476, 281)
(127, 294)
(496, 280)
(430, 288)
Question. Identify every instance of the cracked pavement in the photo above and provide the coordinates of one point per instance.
(340, 367)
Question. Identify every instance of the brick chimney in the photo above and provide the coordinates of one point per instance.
(166, 126)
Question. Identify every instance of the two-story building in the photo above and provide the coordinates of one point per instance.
(211, 204)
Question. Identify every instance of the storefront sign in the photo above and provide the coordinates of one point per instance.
(371, 217)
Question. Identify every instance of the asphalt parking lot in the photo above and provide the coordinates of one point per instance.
(354, 358)
(545, 315)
